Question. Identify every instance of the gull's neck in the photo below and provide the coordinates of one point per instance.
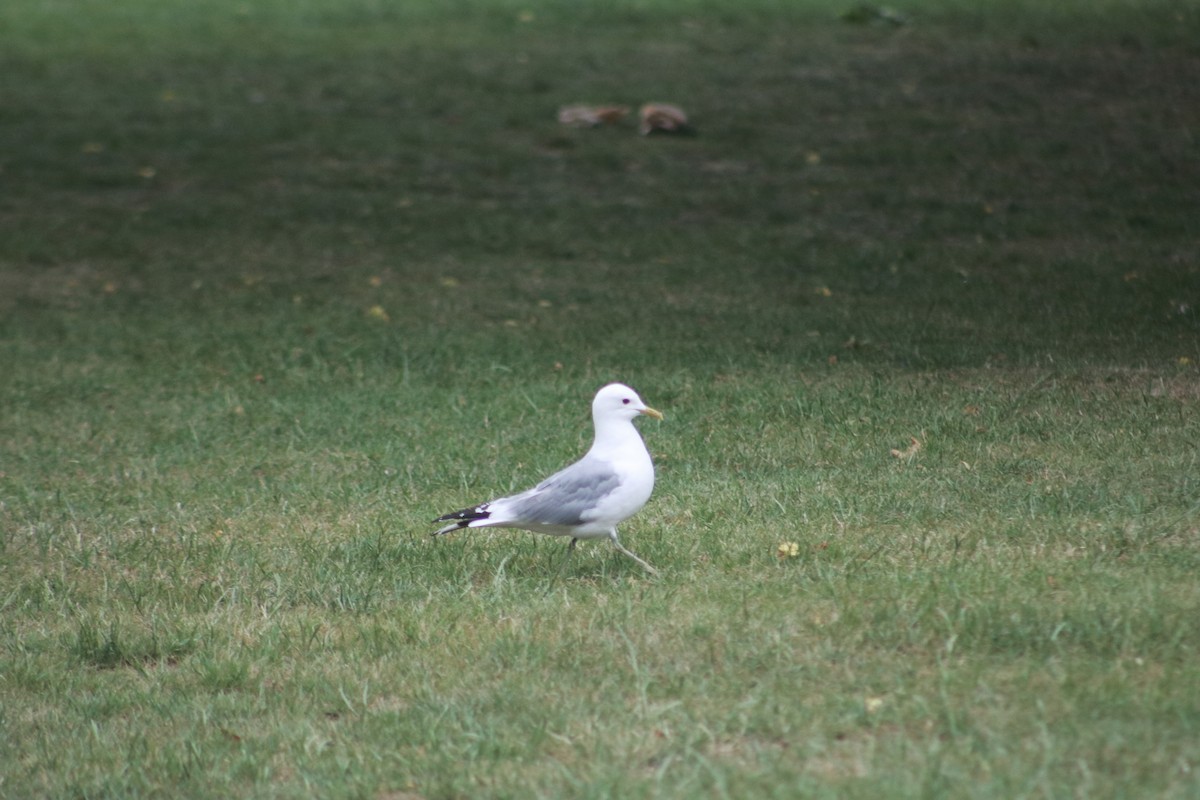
(614, 434)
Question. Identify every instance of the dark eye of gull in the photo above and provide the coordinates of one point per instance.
(625, 401)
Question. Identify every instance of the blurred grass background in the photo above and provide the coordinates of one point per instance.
(280, 282)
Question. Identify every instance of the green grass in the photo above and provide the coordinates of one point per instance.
(281, 282)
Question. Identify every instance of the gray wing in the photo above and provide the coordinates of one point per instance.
(567, 497)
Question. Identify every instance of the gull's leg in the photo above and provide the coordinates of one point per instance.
(617, 544)
(566, 558)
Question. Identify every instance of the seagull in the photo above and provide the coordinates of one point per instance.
(588, 499)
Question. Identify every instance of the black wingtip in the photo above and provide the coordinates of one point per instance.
(466, 515)
(461, 519)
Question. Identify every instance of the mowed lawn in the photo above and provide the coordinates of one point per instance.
(916, 292)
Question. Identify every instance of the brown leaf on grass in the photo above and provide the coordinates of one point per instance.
(591, 116)
(909, 452)
(661, 117)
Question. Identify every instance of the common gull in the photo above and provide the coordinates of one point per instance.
(588, 499)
